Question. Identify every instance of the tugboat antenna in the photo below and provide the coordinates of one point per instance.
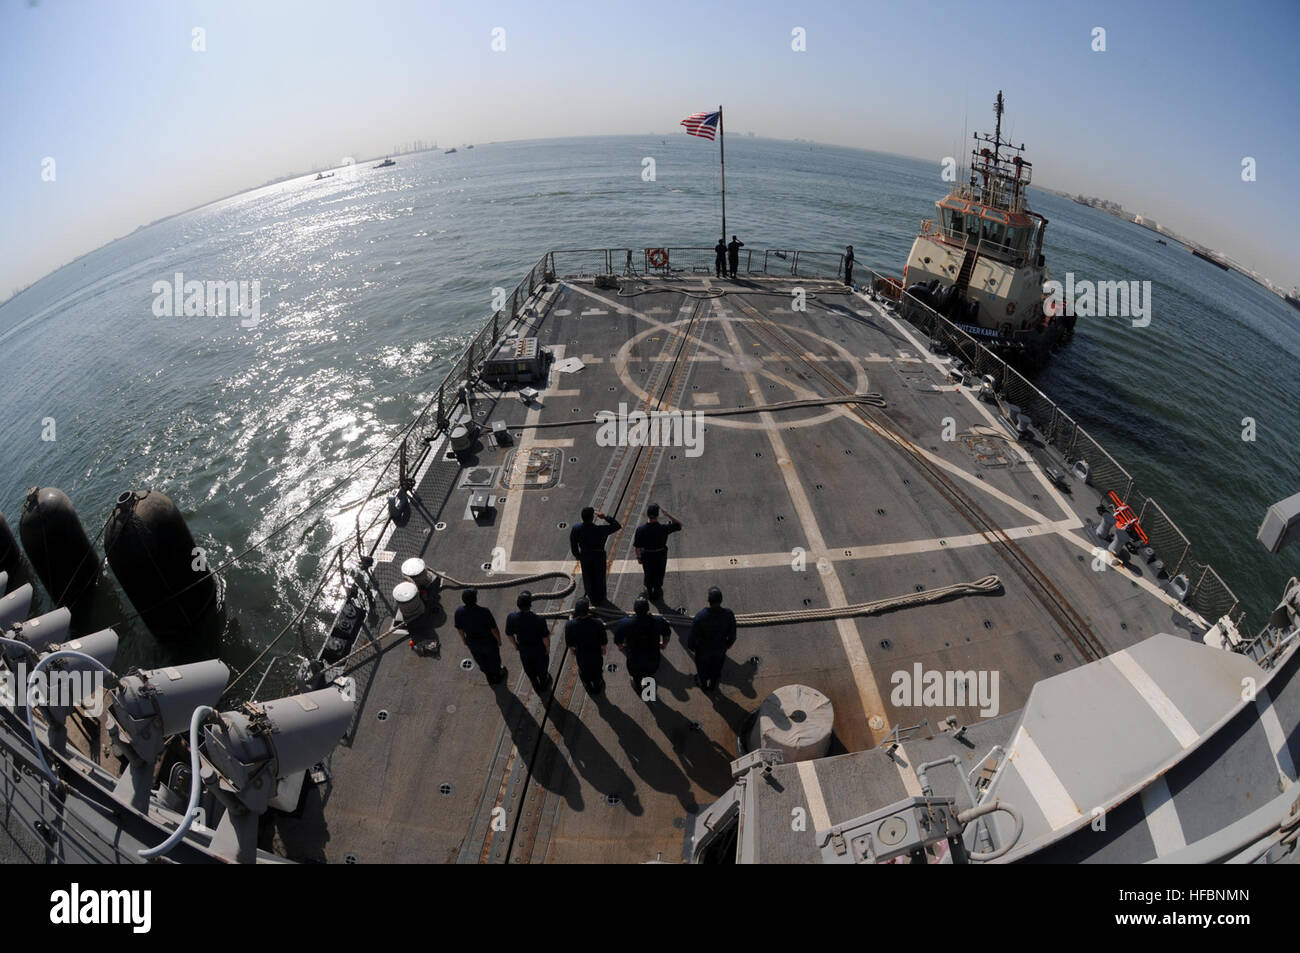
(998, 107)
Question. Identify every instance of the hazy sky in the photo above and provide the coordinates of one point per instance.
(141, 125)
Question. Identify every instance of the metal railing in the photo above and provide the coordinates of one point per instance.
(962, 241)
(1208, 594)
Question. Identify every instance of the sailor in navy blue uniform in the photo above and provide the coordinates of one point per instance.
(641, 636)
(651, 542)
(848, 265)
(713, 631)
(532, 638)
(733, 255)
(478, 630)
(587, 542)
(585, 636)
(720, 259)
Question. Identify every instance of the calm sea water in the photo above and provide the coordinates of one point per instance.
(370, 287)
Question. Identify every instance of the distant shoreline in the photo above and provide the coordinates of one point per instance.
(1121, 214)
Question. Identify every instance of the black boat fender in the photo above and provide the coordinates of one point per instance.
(57, 546)
(152, 553)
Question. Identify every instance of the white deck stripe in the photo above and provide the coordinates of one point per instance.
(1162, 818)
(864, 679)
(812, 791)
(905, 771)
(1155, 697)
(1276, 736)
(1053, 800)
(722, 563)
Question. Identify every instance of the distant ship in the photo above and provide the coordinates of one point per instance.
(469, 147)
(386, 163)
(1161, 241)
(1211, 258)
(324, 175)
(1293, 299)
(981, 264)
(449, 151)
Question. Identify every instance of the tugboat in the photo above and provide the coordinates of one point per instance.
(324, 175)
(980, 263)
(386, 163)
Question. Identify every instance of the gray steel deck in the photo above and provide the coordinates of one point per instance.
(615, 779)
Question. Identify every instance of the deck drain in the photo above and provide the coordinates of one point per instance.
(819, 486)
(445, 789)
(880, 511)
(758, 453)
(979, 476)
(919, 588)
(780, 519)
(717, 491)
(1036, 496)
(467, 664)
(451, 709)
(771, 387)
(1080, 558)
(1059, 657)
(486, 566)
(561, 525)
(672, 456)
(573, 459)
(696, 726)
(848, 452)
(575, 410)
(988, 624)
(755, 661)
(1124, 625)
(613, 800)
(612, 667)
(382, 714)
(612, 389)
(349, 858)
(440, 526)
(906, 482)
(886, 644)
(807, 603)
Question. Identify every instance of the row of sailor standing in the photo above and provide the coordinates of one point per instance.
(641, 636)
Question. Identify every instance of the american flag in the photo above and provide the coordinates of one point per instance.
(701, 124)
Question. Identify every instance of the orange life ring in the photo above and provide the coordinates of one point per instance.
(1011, 307)
(658, 257)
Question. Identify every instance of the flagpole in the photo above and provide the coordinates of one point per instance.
(722, 163)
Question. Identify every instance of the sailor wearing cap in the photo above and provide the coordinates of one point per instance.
(531, 636)
(641, 636)
(587, 542)
(713, 631)
(585, 636)
(478, 630)
(651, 542)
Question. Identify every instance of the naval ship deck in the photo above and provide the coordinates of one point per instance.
(440, 767)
